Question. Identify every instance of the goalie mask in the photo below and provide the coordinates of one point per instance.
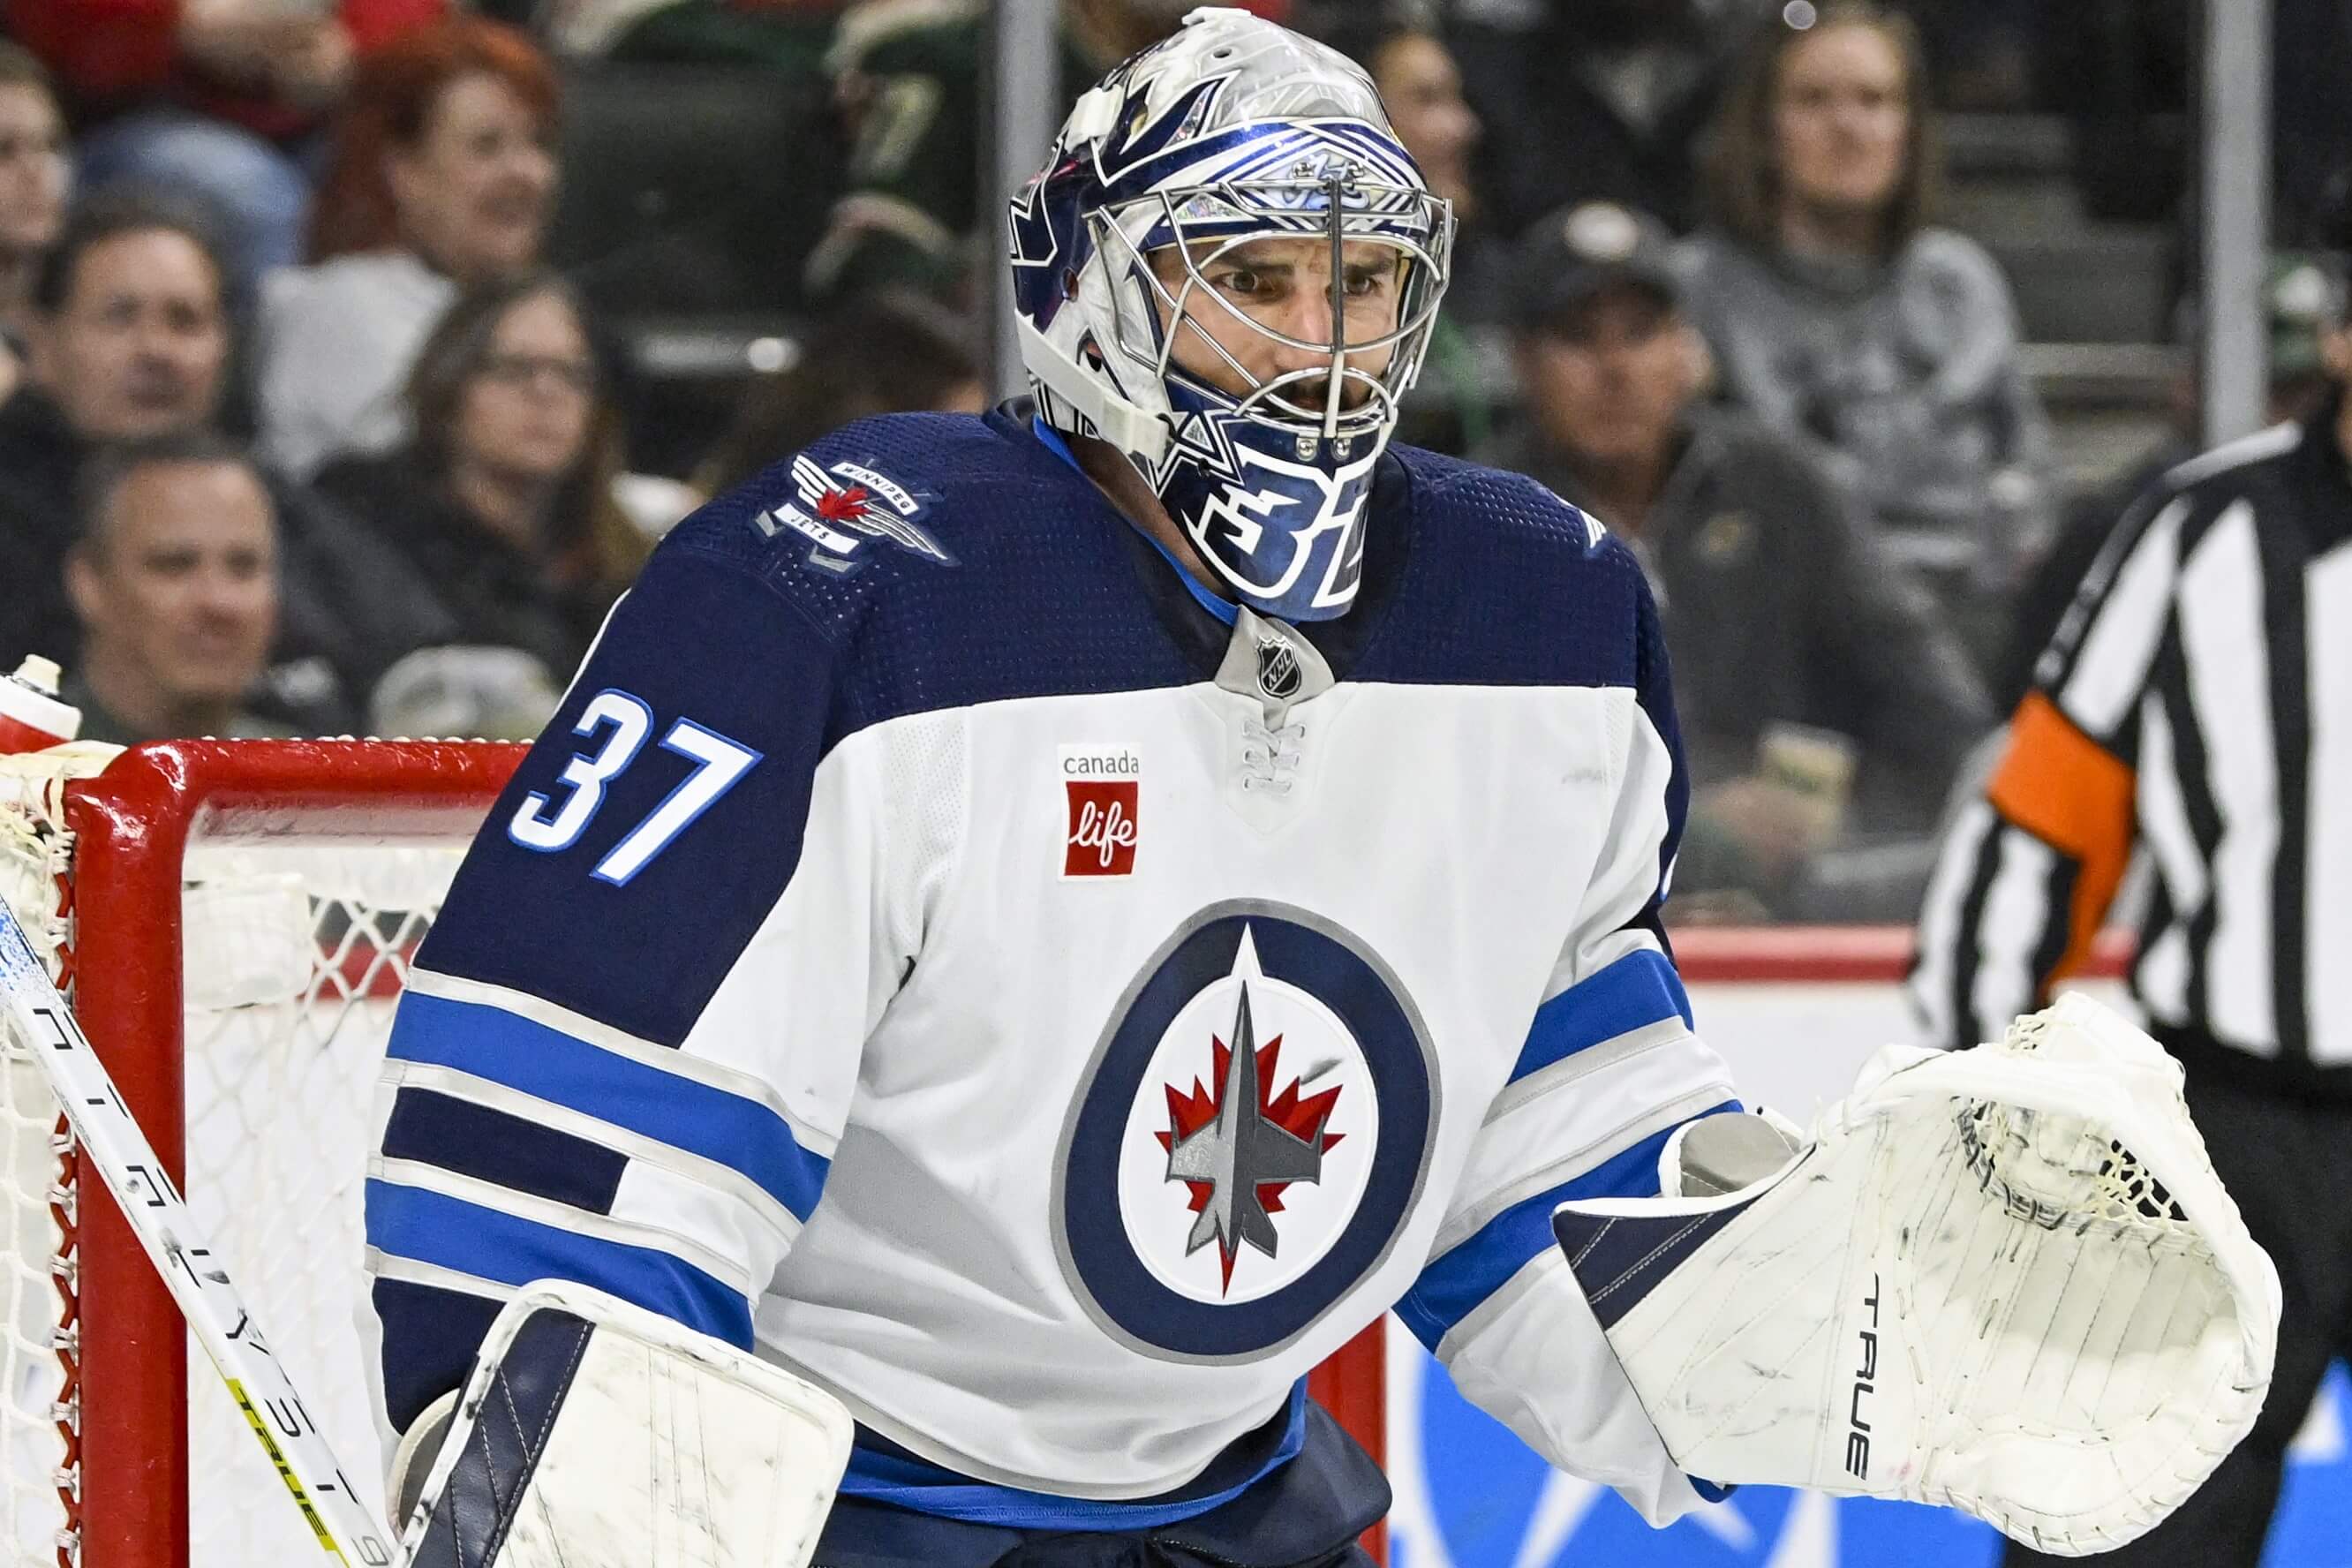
(1229, 271)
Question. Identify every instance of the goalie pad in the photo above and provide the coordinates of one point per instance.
(594, 1434)
(2005, 1281)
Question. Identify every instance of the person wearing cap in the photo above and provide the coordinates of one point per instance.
(1802, 652)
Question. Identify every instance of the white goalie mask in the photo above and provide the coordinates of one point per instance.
(1234, 133)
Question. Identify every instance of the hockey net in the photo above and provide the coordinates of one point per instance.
(233, 922)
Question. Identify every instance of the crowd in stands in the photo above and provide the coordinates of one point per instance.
(313, 420)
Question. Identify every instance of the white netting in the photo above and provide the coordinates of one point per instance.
(35, 1278)
(2060, 1170)
(293, 954)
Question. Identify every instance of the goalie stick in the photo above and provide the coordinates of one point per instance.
(207, 1299)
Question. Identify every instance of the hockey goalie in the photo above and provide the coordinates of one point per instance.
(1031, 931)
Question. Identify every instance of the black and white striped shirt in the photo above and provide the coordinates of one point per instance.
(2196, 707)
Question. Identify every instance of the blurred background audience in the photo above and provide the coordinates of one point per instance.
(441, 174)
(174, 577)
(1822, 699)
(1886, 346)
(130, 343)
(502, 497)
(887, 352)
(33, 181)
(1860, 320)
(219, 100)
(126, 340)
(1606, 98)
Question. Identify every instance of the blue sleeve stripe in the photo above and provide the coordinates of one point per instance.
(431, 1227)
(548, 1063)
(1452, 1286)
(1639, 989)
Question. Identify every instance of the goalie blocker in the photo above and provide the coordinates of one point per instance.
(2005, 1281)
(594, 1434)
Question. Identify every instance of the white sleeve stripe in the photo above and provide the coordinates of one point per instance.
(1942, 920)
(2017, 913)
(638, 1147)
(814, 1140)
(1592, 1059)
(1580, 965)
(2225, 647)
(382, 1265)
(2125, 626)
(1505, 1295)
(1540, 1148)
(648, 1195)
(562, 1217)
(2163, 815)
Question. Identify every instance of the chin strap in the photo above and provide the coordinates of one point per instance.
(1139, 435)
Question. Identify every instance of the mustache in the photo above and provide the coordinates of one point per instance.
(1314, 391)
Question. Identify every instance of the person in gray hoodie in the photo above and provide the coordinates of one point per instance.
(1844, 322)
(1822, 699)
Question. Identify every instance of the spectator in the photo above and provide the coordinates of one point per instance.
(1889, 347)
(886, 354)
(1798, 648)
(173, 578)
(31, 196)
(502, 500)
(130, 343)
(909, 76)
(127, 341)
(443, 177)
(220, 100)
(1422, 88)
(1603, 100)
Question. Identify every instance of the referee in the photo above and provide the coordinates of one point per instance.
(2196, 708)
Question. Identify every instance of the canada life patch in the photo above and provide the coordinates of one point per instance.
(1102, 791)
(1256, 1127)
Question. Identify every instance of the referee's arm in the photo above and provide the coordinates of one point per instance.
(2030, 867)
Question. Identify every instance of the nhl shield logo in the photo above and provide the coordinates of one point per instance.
(1279, 673)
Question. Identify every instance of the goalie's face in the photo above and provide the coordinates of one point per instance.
(1268, 313)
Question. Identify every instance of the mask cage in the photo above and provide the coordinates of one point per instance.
(1228, 214)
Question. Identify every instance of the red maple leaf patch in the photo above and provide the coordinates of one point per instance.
(842, 506)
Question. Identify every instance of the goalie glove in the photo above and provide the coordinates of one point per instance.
(2005, 1281)
(594, 1434)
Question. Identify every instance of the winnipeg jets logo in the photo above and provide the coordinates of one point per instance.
(1256, 1127)
(1251, 1136)
(1237, 1149)
(843, 508)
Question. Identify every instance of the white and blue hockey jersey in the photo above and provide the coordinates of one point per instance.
(937, 944)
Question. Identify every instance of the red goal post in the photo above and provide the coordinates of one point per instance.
(124, 1476)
